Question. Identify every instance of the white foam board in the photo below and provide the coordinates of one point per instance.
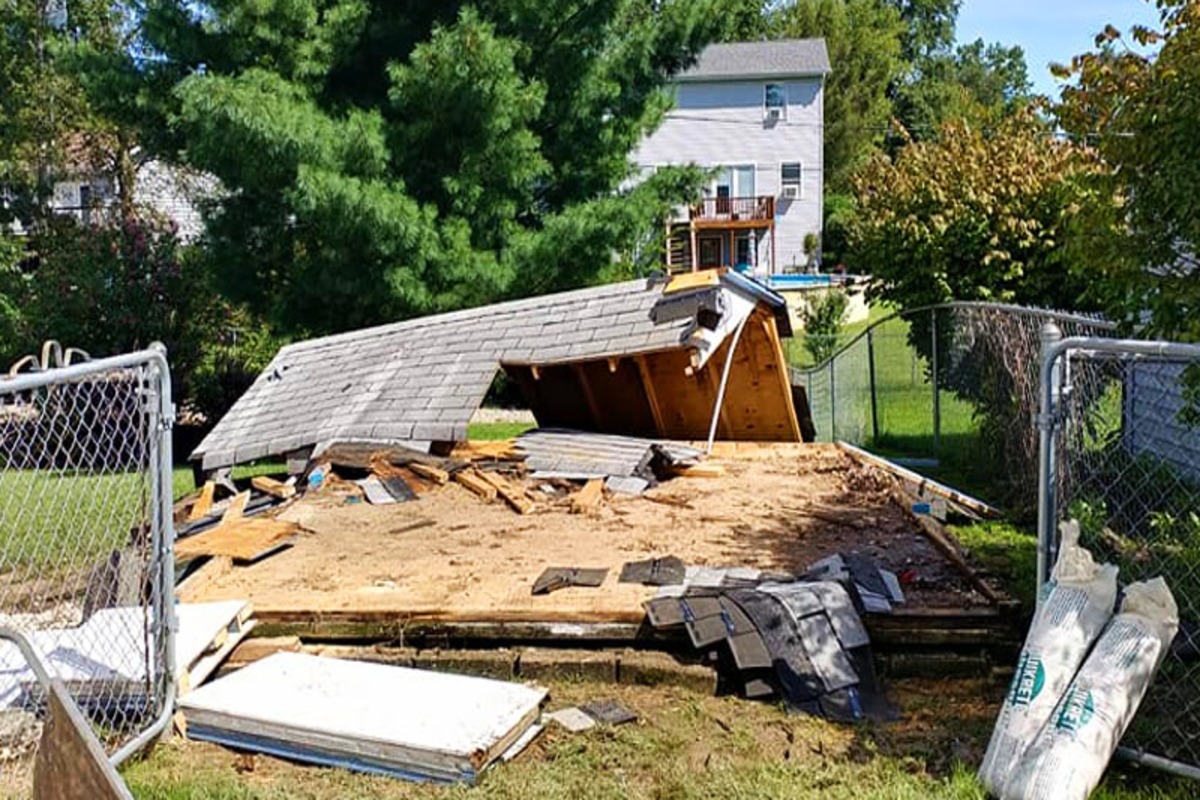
(412, 722)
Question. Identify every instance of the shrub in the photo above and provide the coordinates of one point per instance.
(823, 323)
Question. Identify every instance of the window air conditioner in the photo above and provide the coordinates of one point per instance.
(791, 191)
(774, 114)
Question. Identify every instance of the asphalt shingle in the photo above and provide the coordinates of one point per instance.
(422, 379)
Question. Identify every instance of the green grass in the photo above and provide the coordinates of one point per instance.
(685, 745)
(493, 431)
(1007, 552)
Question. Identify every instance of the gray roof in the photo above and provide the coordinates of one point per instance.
(421, 380)
(783, 58)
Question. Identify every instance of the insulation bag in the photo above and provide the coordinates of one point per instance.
(1074, 607)
(1068, 758)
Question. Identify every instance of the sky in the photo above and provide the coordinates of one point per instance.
(1049, 30)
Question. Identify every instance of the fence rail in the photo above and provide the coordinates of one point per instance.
(1119, 446)
(86, 543)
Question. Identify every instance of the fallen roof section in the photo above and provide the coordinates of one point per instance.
(636, 358)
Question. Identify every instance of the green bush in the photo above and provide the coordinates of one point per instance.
(823, 320)
(236, 346)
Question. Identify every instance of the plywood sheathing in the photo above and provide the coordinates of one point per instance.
(478, 561)
(661, 395)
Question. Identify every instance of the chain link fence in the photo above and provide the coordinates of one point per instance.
(953, 385)
(86, 571)
(1120, 452)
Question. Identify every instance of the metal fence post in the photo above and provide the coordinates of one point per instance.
(1051, 339)
(832, 404)
(871, 373)
(937, 401)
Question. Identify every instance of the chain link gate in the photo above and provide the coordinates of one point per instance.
(1120, 452)
(86, 552)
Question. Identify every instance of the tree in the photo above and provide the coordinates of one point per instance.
(976, 81)
(46, 122)
(974, 215)
(1141, 112)
(864, 41)
(388, 159)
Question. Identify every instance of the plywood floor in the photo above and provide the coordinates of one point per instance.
(478, 561)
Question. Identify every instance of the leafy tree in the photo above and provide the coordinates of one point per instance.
(1141, 112)
(864, 41)
(388, 159)
(46, 122)
(974, 216)
(110, 289)
(928, 27)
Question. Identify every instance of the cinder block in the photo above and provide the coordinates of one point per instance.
(648, 668)
(482, 663)
(554, 664)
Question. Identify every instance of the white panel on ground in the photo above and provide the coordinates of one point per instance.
(109, 646)
(370, 717)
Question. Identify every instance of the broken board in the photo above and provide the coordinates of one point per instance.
(367, 717)
(109, 649)
(245, 540)
(70, 763)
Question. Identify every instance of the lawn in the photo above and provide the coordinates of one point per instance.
(686, 745)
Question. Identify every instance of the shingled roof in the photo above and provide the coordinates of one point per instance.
(782, 58)
(422, 379)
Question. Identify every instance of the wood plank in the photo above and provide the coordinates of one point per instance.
(783, 371)
(470, 479)
(236, 509)
(513, 495)
(268, 485)
(258, 648)
(203, 505)
(438, 476)
(70, 763)
(686, 281)
(589, 497)
(923, 484)
(705, 470)
(245, 540)
(648, 389)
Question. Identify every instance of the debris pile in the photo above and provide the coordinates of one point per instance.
(800, 639)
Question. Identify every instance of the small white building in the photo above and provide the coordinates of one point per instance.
(755, 112)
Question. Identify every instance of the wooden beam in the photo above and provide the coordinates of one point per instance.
(724, 428)
(268, 485)
(651, 397)
(438, 476)
(513, 495)
(785, 381)
(588, 396)
(471, 479)
(587, 498)
(614, 364)
(204, 503)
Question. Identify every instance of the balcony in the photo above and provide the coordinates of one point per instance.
(733, 212)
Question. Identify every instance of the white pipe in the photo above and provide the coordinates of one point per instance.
(712, 428)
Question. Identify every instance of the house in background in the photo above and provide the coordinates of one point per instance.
(754, 112)
(172, 192)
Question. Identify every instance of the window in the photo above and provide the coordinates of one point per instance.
(774, 101)
(791, 179)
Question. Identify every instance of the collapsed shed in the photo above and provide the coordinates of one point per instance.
(647, 357)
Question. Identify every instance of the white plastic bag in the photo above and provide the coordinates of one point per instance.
(1075, 605)
(1070, 754)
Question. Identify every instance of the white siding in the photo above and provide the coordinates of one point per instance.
(1154, 398)
(721, 123)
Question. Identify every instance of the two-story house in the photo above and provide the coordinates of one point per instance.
(754, 113)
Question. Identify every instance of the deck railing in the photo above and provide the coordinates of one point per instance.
(734, 209)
